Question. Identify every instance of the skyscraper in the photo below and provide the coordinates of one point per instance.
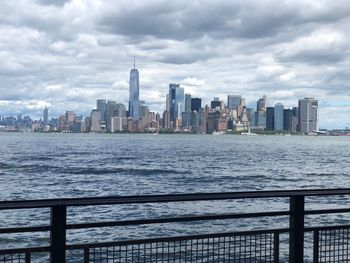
(308, 115)
(251, 117)
(134, 99)
(279, 117)
(215, 103)
(186, 120)
(120, 110)
(233, 101)
(260, 114)
(176, 101)
(196, 104)
(101, 105)
(295, 118)
(95, 121)
(261, 104)
(270, 118)
(46, 116)
(111, 112)
(288, 120)
(187, 102)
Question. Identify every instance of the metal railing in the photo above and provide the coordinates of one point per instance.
(329, 243)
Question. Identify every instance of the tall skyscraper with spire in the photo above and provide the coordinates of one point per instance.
(46, 116)
(134, 98)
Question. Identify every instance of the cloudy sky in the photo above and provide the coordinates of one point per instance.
(67, 54)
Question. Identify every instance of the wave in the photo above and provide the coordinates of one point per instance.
(131, 171)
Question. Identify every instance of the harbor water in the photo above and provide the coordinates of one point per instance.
(37, 166)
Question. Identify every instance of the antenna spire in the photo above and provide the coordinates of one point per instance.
(134, 61)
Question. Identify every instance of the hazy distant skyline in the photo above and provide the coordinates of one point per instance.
(68, 54)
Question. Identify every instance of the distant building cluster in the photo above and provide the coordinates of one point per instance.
(183, 113)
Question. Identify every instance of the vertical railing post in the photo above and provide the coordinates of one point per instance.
(296, 224)
(86, 255)
(58, 234)
(276, 247)
(316, 247)
(27, 257)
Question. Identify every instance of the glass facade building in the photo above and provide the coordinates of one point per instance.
(134, 97)
(176, 101)
(279, 117)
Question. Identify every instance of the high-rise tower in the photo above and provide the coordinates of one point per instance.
(46, 116)
(308, 115)
(233, 101)
(176, 101)
(102, 107)
(279, 117)
(134, 97)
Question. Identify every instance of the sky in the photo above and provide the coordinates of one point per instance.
(68, 54)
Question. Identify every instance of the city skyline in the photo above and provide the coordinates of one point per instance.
(182, 113)
(67, 54)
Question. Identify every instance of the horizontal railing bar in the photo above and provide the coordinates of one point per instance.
(327, 211)
(175, 238)
(24, 250)
(25, 204)
(169, 220)
(12, 230)
(319, 228)
(177, 219)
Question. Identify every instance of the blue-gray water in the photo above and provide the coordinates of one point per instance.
(35, 166)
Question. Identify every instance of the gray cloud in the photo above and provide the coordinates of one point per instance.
(53, 2)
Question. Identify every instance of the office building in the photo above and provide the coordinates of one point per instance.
(101, 105)
(261, 104)
(213, 121)
(176, 101)
(202, 121)
(233, 101)
(166, 121)
(95, 121)
(270, 118)
(288, 120)
(260, 119)
(187, 102)
(186, 120)
(111, 112)
(196, 104)
(134, 99)
(120, 110)
(195, 121)
(46, 116)
(119, 124)
(215, 103)
(308, 115)
(279, 117)
(78, 125)
(295, 119)
(69, 116)
(251, 117)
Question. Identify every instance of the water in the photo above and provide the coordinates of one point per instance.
(36, 166)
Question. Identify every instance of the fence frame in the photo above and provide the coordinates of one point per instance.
(58, 226)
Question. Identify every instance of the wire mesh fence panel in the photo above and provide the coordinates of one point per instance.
(236, 249)
(334, 245)
(13, 258)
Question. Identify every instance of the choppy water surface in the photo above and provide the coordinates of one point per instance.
(68, 165)
(35, 166)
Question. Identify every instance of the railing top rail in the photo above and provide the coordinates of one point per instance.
(140, 199)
